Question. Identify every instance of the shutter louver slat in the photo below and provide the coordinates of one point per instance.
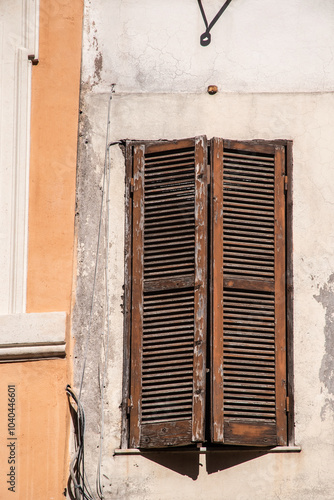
(168, 331)
(261, 407)
(178, 231)
(261, 267)
(245, 290)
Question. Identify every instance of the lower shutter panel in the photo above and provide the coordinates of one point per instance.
(168, 337)
(167, 367)
(249, 367)
(249, 402)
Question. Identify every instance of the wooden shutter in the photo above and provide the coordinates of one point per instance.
(168, 332)
(249, 345)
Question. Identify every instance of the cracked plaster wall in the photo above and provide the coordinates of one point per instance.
(257, 46)
(151, 52)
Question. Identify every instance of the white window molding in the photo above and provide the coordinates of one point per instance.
(31, 27)
(19, 25)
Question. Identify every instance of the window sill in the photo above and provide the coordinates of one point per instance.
(205, 450)
(32, 336)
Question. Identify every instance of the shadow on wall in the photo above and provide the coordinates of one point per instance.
(183, 463)
(217, 461)
(189, 463)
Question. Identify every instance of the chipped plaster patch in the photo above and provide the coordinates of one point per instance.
(326, 373)
(98, 67)
(327, 409)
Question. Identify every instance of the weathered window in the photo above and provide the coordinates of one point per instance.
(206, 293)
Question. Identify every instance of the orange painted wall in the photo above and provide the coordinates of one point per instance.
(54, 126)
(41, 430)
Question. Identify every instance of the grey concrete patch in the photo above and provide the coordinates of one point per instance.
(326, 374)
(89, 313)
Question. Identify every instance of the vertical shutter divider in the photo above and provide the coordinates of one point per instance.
(127, 295)
(200, 289)
(217, 401)
(280, 299)
(137, 296)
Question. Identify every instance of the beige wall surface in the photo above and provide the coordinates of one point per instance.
(256, 46)
(307, 120)
(274, 71)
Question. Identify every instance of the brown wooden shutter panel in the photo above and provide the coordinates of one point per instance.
(249, 359)
(168, 294)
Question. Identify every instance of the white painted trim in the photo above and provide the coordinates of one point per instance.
(36, 33)
(19, 38)
(32, 336)
(30, 27)
(20, 183)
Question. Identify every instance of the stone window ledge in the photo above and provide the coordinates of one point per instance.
(32, 336)
(205, 450)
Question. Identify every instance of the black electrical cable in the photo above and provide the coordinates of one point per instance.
(206, 36)
(77, 465)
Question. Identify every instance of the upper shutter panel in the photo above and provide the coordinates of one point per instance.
(249, 360)
(168, 294)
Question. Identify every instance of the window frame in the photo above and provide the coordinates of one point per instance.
(126, 404)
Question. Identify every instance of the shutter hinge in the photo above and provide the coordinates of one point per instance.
(285, 183)
(128, 406)
(131, 185)
(287, 404)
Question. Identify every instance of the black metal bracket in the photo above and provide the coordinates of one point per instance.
(206, 36)
(34, 61)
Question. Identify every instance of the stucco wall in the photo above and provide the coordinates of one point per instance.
(256, 46)
(269, 88)
(55, 103)
(38, 108)
(40, 441)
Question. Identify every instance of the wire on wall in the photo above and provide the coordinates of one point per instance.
(82, 490)
(77, 466)
(97, 249)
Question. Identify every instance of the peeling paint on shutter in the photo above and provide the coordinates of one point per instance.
(168, 294)
(249, 359)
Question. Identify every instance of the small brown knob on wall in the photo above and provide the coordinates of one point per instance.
(212, 89)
